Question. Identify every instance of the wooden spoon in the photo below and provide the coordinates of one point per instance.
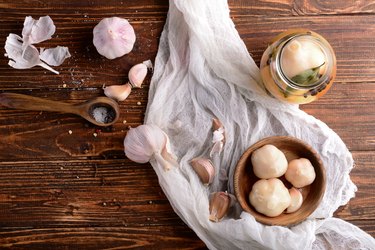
(101, 111)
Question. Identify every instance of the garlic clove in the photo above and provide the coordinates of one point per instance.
(118, 92)
(219, 205)
(204, 169)
(300, 172)
(296, 200)
(113, 37)
(138, 72)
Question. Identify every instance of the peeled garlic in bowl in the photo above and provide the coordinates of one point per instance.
(269, 162)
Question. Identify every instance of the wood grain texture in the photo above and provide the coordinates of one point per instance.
(78, 191)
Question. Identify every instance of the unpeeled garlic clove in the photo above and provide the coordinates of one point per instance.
(138, 72)
(204, 169)
(118, 92)
(113, 37)
(220, 203)
(296, 200)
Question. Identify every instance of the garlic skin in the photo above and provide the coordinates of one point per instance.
(118, 92)
(270, 197)
(219, 205)
(204, 169)
(269, 162)
(218, 137)
(113, 37)
(147, 142)
(36, 31)
(300, 173)
(138, 73)
(296, 200)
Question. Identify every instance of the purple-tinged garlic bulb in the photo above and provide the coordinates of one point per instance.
(113, 37)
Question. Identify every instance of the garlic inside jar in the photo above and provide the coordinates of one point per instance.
(298, 67)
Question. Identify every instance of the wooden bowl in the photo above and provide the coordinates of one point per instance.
(244, 178)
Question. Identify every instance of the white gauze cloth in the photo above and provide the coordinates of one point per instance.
(203, 70)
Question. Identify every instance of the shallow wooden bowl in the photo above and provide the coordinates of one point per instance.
(244, 178)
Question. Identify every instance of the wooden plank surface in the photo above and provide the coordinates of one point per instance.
(75, 191)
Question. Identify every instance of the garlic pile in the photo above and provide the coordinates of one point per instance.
(113, 37)
(147, 142)
(219, 202)
(23, 54)
(269, 195)
(136, 75)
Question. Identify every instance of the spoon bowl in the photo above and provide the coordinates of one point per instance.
(100, 111)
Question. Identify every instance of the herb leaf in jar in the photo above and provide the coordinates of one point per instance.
(308, 76)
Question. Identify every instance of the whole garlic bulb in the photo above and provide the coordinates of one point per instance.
(300, 173)
(269, 162)
(270, 197)
(146, 142)
(113, 37)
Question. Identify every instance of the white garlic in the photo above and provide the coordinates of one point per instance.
(113, 37)
(204, 169)
(147, 142)
(300, 173)
(269, 162)
(301, 54)
(296, 200)
(219, 205)
(118, 92)
(218, 137)
(36, 31)
(269, 197)
(138, 72)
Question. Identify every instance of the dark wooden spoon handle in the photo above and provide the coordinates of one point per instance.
(26, 102)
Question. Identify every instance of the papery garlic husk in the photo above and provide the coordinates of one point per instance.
(296, 200)
(218, 137)
(54, 56)
(23, 58)
(36, 31)
(113, 37)
(204, 169)
(147, 142)
(138, 72)
(219, 205)
(118, 92)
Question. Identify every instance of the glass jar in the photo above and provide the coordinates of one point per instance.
(298, 67)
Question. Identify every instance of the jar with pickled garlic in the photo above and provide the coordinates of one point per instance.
(298, 67)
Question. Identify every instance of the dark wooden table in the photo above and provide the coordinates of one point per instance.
(75, 191)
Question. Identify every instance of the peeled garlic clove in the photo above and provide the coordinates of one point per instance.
(113, 37)
(138, 72)
(118, 92)
(296, 200)
(269, 162)
(219, 205)
(300, 172)
(204, 169)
